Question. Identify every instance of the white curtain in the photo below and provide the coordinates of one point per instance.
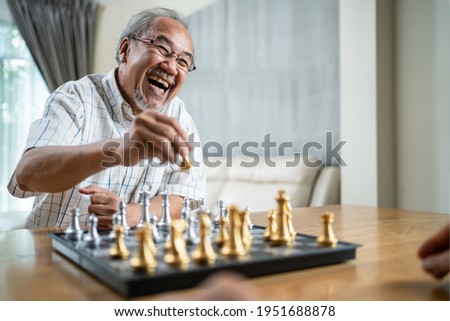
(265, 66)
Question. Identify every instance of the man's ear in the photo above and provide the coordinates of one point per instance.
(124, 49)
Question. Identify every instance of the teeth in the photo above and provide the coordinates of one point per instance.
(160, 80)
(157, 88)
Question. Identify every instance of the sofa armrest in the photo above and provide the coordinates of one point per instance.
(326, 190)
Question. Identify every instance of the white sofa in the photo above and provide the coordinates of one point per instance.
(257, 186)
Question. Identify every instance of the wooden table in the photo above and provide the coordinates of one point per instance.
(386, 266)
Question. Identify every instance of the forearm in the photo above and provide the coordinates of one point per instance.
(59, 168)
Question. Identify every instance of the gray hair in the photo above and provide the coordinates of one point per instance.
(141, 21)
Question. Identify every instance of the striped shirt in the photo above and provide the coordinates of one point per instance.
(89, 110)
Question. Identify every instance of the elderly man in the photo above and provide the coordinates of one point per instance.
(99, 136)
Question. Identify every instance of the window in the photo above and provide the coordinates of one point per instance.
(22, 96)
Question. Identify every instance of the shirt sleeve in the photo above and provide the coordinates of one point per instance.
(60, 125)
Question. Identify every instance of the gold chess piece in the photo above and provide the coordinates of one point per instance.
(204, 253)
(327, 238)
(185, 164)
(176, 253)
(144, 259)
(246, 236)
(234, 246)
(283, 234)
(149, 240)
(271, 225)
(223, 235)
(119, 249)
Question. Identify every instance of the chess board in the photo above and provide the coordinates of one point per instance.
(262, 259)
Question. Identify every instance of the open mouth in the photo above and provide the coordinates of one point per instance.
(158, 83)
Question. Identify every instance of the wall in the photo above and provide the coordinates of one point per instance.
(113, 16)
(395, 103)
(423, 104)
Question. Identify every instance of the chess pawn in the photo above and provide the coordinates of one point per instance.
(73, 230)
(234, 246)
(220, 213)
(145, 257)
(123, 215)
(222, 235)
(282, 235)
(271, 225)
(191, 231)
(115, 221)
(145, 207)
(204, 253)
(165, 221)
(92, 238)
(119, 249)
(246, 236)
(177, 254)
(327, 238)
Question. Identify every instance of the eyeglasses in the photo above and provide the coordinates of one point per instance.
(184, 63)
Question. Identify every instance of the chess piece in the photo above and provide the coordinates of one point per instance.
(282, 235)
(92, 238)
(119, 249)
(185, 211)
(165, 221)
(116, 221)
(185, 164)
(249, 220)
(73, 230)
(271, 225)
(155, 233)
(222, 235)
(145, 257)
(327, 238)
(246, 236)
(123, 215)
(191, 231)
(145, 207)
(204, 253)
(219, 214)
(176, 253)
(234, 246)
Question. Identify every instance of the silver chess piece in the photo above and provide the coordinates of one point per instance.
(155, 232)
(185, 211)
(191, 235)
(165, 221)
(116, 221)
(73, 230)
(123, 216)
(249, 221)
(145, 207)
(219, 214)
(92, 238)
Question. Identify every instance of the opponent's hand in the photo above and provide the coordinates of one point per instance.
(104, 204)
(155, 135)
(434, 253)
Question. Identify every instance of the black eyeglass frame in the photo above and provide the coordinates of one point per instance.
(151, 42)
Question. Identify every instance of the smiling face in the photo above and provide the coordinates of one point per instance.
(147, 79)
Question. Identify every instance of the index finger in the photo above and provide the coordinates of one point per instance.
(435, 244)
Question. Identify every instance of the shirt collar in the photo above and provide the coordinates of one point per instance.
(120, 108)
